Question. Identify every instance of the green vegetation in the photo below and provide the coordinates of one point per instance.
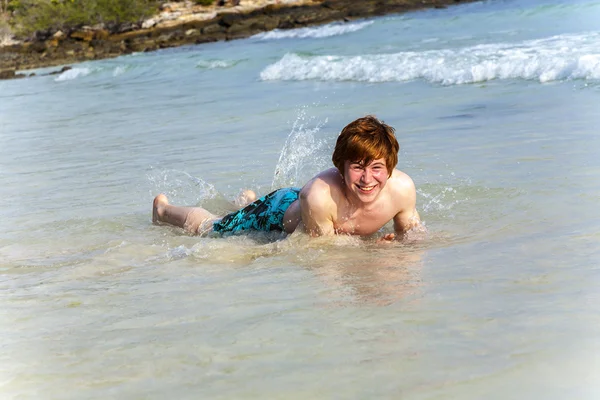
(204, 2)
(29, 16)
(3, 6)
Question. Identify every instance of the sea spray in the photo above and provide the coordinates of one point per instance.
(184, 189)
(442, 198)
(301, 157)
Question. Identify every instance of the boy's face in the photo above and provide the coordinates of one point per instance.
(366, 181)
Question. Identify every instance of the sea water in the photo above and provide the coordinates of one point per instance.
(496, 108)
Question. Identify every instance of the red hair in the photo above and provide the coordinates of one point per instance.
(365, 140)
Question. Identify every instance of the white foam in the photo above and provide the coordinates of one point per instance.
(549, 59)
(72, 74)
(119, 70)
(333, 29)
(216, 64)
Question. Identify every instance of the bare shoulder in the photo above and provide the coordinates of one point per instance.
(318, 204)
(323, 187)
(401, 183)
(402, 191)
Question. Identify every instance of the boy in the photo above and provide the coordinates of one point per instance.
(359, 196)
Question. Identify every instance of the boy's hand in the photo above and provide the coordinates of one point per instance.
(387, 238)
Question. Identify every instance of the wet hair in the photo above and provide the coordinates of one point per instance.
(365, 140)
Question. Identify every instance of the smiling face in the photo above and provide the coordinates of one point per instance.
(365, 182)
(369, 140)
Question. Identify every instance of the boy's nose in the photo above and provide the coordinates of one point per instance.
(366, 176)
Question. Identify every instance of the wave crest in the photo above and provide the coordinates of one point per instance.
(328, 30)
(555, 58)
(217, 64)
(72, 74)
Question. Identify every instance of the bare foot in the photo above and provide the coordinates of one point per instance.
(246, 197)
(158, 208)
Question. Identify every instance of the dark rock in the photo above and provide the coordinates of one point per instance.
(166, 37)
(10, 74)
(43, 35)
(112, 27)
(269, 23)
(286, 24)
(85, 35)
(213, 29)
(60, 71)
(7, 74)
(228, 19)
(332, 5)
(116, 28)
(127, 27)
(101, 34)
(38, 47)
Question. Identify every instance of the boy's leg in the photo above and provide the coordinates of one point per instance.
(246, 197)
(188, 218)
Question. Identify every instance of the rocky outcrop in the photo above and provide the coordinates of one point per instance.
(10, 74)
(99, 43)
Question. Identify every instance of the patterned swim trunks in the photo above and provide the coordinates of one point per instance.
(265, 214)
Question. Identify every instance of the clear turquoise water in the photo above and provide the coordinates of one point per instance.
(496, 110)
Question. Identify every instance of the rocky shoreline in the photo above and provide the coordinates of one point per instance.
(194, 28)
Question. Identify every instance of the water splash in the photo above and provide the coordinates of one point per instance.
(442, 195)
(443, 199)
(301, 157)
(180, 186)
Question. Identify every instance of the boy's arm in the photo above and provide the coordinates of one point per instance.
(405, 222)
(316, 215)
(407, 219)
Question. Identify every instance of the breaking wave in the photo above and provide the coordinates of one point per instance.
(555, 58)
(217, 64)
(73, 74)
(334, 29)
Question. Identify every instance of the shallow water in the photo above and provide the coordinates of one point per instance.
(496, 108)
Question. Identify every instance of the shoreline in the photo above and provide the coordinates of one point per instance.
(222, 25)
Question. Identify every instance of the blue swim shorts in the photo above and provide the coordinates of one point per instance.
(265, 214)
